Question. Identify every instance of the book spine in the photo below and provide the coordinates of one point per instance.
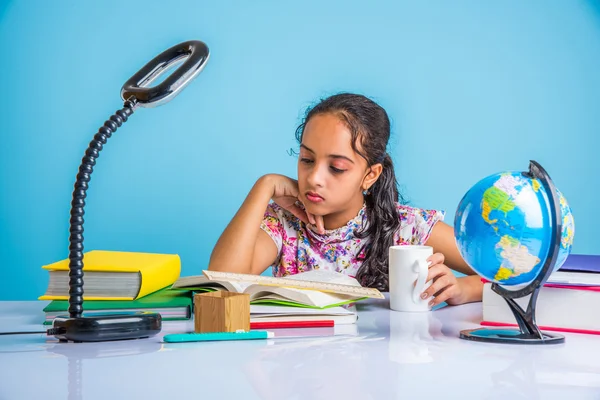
(543, 328)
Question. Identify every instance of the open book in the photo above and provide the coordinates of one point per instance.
(268, 294)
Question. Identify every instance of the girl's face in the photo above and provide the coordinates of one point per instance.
(331, 175)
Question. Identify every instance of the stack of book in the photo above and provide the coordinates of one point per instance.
(566, 303)
(121, 281)
(280, 304)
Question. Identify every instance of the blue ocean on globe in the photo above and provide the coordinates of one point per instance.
(503, 228)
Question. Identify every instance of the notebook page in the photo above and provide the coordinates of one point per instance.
(319, 275)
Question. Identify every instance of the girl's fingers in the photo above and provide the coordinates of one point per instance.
(448, 293)
(438, 285)
(300, 213)
(437, 258)
(320, 224)
(311, 218)
(435, 271)
(317, 222)
(314, 220)
(442, 278)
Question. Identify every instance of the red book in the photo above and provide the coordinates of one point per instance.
(291, 324)
(544, 328)
(558, 308)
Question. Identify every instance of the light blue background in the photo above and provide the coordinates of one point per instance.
(472, 88)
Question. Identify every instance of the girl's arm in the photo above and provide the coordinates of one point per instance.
(244, 247)
(442, 240)
(471, 287)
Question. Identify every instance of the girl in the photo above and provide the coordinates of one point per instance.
(342, 213)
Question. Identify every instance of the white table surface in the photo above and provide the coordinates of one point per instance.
(389, 355)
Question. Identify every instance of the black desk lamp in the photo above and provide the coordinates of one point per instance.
(136, 93)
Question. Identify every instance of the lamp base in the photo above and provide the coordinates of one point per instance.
(513, 336)
(100, 327)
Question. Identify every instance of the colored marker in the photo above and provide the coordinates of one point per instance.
(216, 336)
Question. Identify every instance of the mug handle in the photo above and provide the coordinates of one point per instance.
(421, 268)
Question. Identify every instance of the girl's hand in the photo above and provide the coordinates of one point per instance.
(445, 287)
(285, 194)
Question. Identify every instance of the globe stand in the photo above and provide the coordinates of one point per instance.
(528, 331)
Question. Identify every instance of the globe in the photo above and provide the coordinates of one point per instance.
(503, 228)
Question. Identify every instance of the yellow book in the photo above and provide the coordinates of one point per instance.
(115, 275)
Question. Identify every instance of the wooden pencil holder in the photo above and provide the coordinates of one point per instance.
(221, 311)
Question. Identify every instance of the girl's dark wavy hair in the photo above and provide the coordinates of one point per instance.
(370, 128)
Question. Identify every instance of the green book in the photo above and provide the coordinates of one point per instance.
(171, 304)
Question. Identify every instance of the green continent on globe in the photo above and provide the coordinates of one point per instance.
(516, 258)
(495, 199)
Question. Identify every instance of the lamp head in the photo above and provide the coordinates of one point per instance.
(194, 52)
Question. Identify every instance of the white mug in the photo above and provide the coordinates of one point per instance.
(408, 270)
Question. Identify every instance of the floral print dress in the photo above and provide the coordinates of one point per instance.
(301, 249)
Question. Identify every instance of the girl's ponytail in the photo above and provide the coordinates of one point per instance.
(383, 221)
